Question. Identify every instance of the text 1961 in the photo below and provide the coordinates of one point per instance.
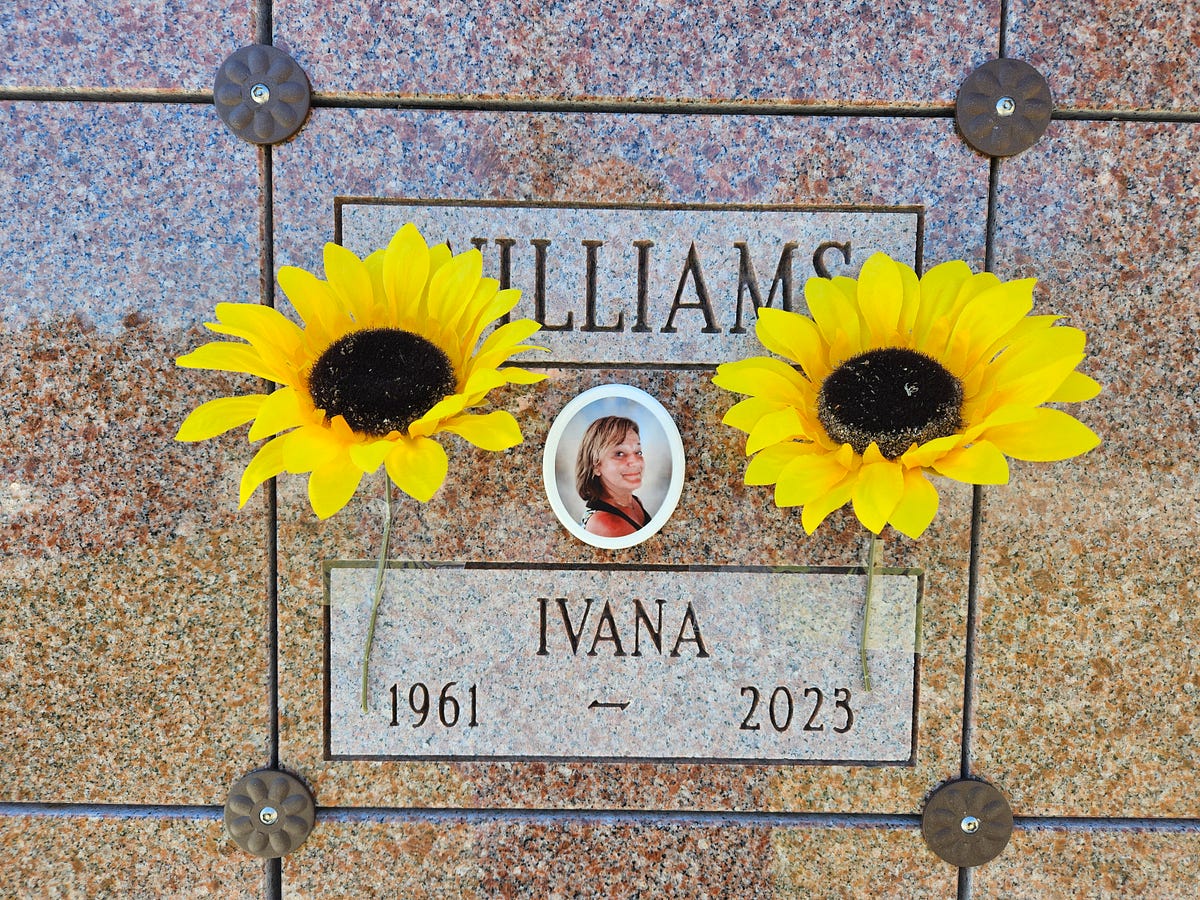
(445, 708)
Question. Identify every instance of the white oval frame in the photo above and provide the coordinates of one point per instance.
(674, 487)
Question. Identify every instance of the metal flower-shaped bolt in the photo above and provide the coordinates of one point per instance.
(1003, 107)
(261, 94)
(269, 813)
(967, 823)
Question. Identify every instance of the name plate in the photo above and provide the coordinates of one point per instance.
(621, 663)
(645, 284)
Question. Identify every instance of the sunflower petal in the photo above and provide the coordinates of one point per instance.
(762, 376)
(316, 303)
(453, 285)
(370, 455)
(225, 356)
(981, 463)
(985, 320)
(267, 463)
(310, 447)
(745, 414)
(795, 337)
(817, 511)
(280, 411)
(877, 491)
(917, 508)
(219, 416)
(808, 477)
(834, 313)
(774, 428)
(880, 298)
(350, 280)
(1050, 435)
(1076, 388)
(406, 265)
(769, 463)
(331, 485)
(494, 431)
(418, 466)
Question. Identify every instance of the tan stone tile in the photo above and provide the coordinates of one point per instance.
(1041, 863)
(75, 857)
(742, 51)
(1086, 668)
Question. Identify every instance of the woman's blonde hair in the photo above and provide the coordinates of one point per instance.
(605, 432)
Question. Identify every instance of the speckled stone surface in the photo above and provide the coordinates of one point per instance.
(598, 859)
(132, 667)
(633, 158)
(807, 52)
(169, 44)
(135, 635)
(1111, 54)
(74, 857)
(1087, 663)
(1092, 865)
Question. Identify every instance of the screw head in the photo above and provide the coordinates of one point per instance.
(1006, 106)
(969, 824)
(260, 93)
(268, 815)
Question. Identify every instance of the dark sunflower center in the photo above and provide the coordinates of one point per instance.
(894, 397)
(381, 380)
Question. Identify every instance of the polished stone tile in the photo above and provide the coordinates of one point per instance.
(840, 52)
(642, 159)
(171, 44)
(1092, 865)
(424, 861)
(133, 661)
(1087, 655)
(81, 856)
(1110, 54)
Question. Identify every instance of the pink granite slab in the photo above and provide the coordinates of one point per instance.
(170, 45)
(132, 657)
(484, 513)
(1088, 581)
(1111, 54)
(376, 859)
(82, 856)
(1054, 862)
(802, 53)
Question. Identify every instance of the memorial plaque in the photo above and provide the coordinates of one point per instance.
(663, 284)
(622, 663)
(561, 660)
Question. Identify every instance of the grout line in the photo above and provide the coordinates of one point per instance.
(709, 819)
(661, 106)
(1003, 52)
(968, 724)
(434, 816)
(267, 298)
(434, 103)
(264, 22)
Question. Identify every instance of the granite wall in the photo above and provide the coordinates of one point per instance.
(156, 644)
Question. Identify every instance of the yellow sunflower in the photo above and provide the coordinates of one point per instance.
(897, 377)
(388, 357)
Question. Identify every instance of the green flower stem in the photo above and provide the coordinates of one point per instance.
(872, 552)
(383, 555)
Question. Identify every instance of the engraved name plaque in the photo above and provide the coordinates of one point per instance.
(645, 284)
(622, 663)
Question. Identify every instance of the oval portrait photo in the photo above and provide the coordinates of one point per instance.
(613, 466)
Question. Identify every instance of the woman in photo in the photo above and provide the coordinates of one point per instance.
(607, 471)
